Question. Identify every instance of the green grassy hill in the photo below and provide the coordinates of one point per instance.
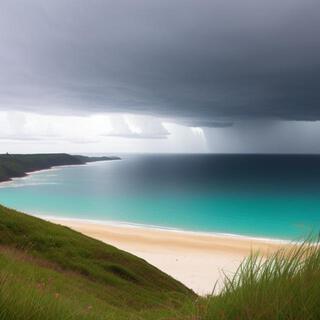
(17, 165)
(48, 271)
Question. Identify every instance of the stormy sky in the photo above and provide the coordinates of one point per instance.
(167, 76)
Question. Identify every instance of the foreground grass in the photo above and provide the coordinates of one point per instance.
(283, 286)
(30, 291)
(51, 272)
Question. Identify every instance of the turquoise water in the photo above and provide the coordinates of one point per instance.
(266, 196)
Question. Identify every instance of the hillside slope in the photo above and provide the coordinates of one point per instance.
(52, 272)
(17, 165)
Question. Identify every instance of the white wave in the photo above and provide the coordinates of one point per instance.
(27, 184)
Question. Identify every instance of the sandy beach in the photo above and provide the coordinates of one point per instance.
(195, 259)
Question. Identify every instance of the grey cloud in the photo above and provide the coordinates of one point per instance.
(137, 135)
(266, 137)
(206, 60)
(205, 123)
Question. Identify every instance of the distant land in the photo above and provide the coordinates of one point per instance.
(18, 165)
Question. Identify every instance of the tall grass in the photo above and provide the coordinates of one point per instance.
(285, 285)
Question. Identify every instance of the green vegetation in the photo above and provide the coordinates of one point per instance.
(85, 159)
(17, 165)
(49, 272)
(286, 286)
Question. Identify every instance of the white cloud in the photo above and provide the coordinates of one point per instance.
(136, 127)
(79, 129)
(104, 133)
(30, 132)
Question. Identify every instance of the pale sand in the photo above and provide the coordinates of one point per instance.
(195, 259)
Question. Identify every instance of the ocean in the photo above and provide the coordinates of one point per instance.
(268, 196)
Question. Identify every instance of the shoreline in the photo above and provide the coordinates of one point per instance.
(30, 173)
(53, 168)
(127, 224)
(198, 260)
(77, 160)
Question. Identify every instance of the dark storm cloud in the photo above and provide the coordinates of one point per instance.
(205, 123)
(214, 61)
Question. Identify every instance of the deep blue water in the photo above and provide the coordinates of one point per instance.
(256, 195)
